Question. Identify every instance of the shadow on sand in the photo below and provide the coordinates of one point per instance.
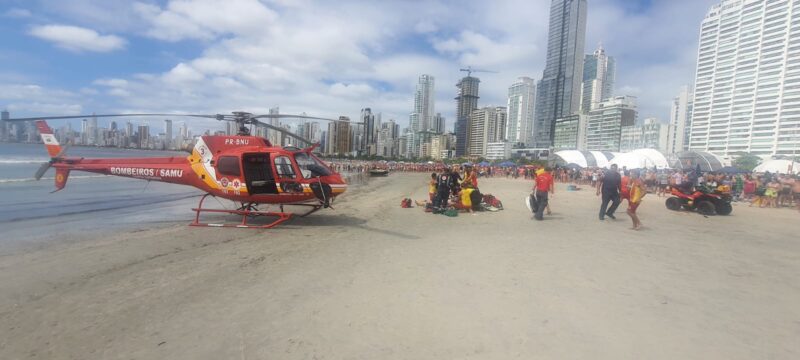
(346, 221)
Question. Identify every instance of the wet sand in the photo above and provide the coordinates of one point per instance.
(370, 280)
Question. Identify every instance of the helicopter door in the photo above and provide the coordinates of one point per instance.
(258, 174)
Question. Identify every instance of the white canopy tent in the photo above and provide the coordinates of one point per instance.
(573, 157)
(778, 166)
(641, 159)
(602, 160)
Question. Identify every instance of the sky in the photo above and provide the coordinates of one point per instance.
(324, 58)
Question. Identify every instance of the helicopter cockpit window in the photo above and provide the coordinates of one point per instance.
(283, 166)
(309, 166)
(229, 165)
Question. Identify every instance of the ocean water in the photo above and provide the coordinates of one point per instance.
(29, 212)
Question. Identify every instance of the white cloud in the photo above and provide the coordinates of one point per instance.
(111, 82)
(183, 74)
(78, 39)
(351, 90)
(333, 59)
(36, 99)
(205, 19)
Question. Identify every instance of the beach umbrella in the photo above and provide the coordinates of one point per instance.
(506, 164)
(483, 163)
(466, 164)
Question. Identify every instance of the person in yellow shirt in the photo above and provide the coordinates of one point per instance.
(432, 187)
(637, 191)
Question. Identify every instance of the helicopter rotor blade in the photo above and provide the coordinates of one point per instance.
(42, 169)
(283, 116)
(288, 116)
(217, 116)
(283, 131)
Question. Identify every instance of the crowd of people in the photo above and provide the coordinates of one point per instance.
(456, 187)
(762, 190)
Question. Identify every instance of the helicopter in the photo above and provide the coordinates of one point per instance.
(246, 169)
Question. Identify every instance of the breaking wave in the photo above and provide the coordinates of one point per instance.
(5, 181)
(24, 161)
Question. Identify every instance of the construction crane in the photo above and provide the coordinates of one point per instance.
(470, 70)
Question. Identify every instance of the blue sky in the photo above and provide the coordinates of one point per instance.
(83, 56)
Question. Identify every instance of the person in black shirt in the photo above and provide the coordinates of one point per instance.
(443, 182)
(455, 180)
(609, 187)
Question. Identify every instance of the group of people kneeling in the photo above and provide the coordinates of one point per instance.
(449, 189)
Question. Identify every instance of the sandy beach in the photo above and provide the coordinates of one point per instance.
(370, 280)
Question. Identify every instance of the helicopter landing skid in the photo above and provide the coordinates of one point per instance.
(314, 208)
(246, 212)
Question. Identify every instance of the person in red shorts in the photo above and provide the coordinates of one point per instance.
(544, 186)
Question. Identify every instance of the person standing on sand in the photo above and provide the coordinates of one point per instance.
(432, 188)
(455, 180)
(443, 182)
(636, 193)
(609, 187)
(544, 185)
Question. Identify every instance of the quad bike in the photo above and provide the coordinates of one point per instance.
(705, 201)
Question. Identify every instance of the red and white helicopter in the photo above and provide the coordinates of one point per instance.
(242, 168)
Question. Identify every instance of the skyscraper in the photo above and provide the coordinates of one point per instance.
(370, 137)
(747, 85)
(521, 98)
(466, 101)
(144, 136)
(4, 115)
(273, 136)
(486, 125)
(84, 131)
(599, 71)
(168, 132)
(558, 93)
(439, 124)
(92, 136)
(680, 119)
(424, 98)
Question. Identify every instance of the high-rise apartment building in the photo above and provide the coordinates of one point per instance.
(747, 85)
(439, 124)
(371, 128)
(680, 120)
(422, 118)
(599, 72)
(652, 134)
(274, 137)
(605, 124)
(486, 125)
(4, 115)
(144, 136)
(168, 131)
(521, 101)
(339, 135)
(466, 101)
(558, 94)
(570, 133)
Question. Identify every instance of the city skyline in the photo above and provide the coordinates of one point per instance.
(192, 72)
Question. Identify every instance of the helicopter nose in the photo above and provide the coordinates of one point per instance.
(337, 184)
